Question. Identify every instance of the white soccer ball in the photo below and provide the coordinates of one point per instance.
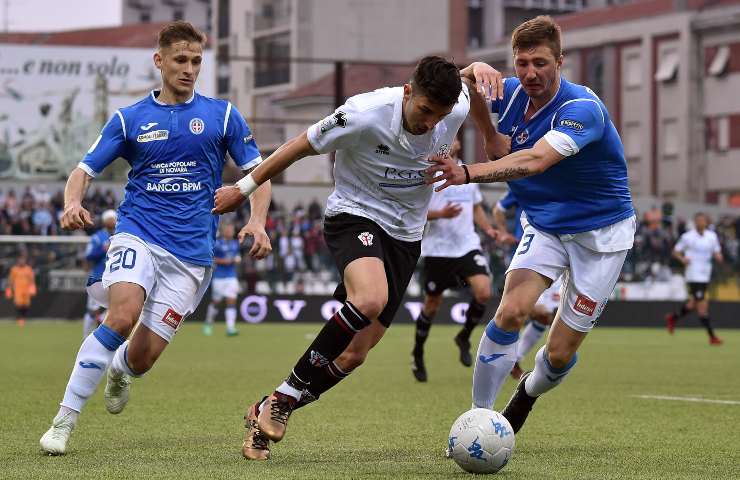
(481, 441)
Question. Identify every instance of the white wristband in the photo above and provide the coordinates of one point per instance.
(247, 185)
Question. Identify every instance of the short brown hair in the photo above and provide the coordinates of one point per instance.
(541, 30)
(178, 31)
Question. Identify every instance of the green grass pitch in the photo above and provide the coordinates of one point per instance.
(185, 417)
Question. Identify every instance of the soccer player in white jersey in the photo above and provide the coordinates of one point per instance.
(159, 260)
(696, 249)
(568, 172)
(225, 283)
(452, 255)
(374, 220)
(97, 250)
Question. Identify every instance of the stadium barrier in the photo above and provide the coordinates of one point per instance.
(257, 308)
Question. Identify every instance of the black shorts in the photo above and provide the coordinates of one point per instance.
(350, 237)
(441, 273)
(698, 290)
(21, 311)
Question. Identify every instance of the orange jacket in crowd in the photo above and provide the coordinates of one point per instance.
(21, 285)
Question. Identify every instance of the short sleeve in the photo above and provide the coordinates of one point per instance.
(239, 139)
(682, 243)
(477, 197)
(340, 130)
(110, 144)
(577, 123)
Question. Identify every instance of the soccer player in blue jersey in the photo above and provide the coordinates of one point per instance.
(567, 170)
(97, 249)
(225, 284)
(159, 260)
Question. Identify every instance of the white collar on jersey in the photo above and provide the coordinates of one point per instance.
(154, 97)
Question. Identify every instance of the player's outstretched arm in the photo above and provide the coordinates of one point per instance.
(520, 164)
(228, 199)
(75, 216)
(259, 202)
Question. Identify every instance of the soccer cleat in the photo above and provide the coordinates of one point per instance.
(519, 405)
(516, 371)
(116, 394)
(714, 340)
(670, 322)
(417, 367)
(54, 441)
(256, 445)
(273, 419)
(207, 330)
(464, 345)
(232, 333)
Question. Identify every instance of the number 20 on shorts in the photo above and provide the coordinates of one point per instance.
(123, 258)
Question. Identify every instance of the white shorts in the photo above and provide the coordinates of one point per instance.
(173, 288)
(97, 297)
(550, 298)
(589, 276)
(224, 288)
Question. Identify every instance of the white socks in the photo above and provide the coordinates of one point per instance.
(230, 314)
(495, 358)
(120, 365)
(88, 324)
(92, 361)
(211, 314)
(545, 377)
(529, 338)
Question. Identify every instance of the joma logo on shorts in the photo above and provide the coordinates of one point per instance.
(584, 305)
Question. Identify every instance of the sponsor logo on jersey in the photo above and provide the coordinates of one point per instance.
(172, 318)
(173, 185)
(153, 136)
(317, 359)
(366, 238)
(402, 178)
(149, 126)
(339, 119)
(173, 167)
(522, 137)
(584, 305)
(197, 126)
(571, 124)
(383, 149)
(248, 138)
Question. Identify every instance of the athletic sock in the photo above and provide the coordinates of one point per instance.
(545, 377)
(331, 341)
(472, 318)
(531, 334)
(682, 313)
(495, 358)
(92, 361)
(120, 365)
(324, 380)
(707, 325)
(230, 315)
(211, 314)
(423, 325)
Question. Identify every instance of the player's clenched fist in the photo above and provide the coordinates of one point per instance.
(227, 199)
(75, 217)
(261, 246)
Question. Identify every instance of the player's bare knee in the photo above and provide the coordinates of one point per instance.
(370, 305)
(482, 296)
(432, 304)
(559, 355)
(120, 322)
(510, 316)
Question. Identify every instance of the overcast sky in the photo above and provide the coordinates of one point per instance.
(51, 15)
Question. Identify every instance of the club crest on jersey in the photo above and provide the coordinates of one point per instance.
(339, 119)
(584, 305)
(444, 150)
(366, 238)
(522, 137)
(172, 318)
(197, 126)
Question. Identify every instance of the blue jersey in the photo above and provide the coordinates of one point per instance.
(96, 253)
(177, 155)
(588, 189)
(225, 249)
(508, 202)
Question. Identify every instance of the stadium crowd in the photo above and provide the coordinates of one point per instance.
(298, 242)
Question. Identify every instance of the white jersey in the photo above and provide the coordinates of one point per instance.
(379, 168)
(452, 237)
(699, 250)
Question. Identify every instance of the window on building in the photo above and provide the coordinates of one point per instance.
(271, 14)
(633, 141)
(667, 66)
(671, 139)
(720, 61)
(632, 71)
(475, 23)
(594, 74)
(145, 16)
(723, 133)
(272, 65)
(178, 14)
(223, 72)
(223, 18)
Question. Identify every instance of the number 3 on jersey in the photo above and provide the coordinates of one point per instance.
(525, 244)
(123, 258)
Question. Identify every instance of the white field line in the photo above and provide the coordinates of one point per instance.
(687, 399)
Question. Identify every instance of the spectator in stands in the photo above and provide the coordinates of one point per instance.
(21, 287)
